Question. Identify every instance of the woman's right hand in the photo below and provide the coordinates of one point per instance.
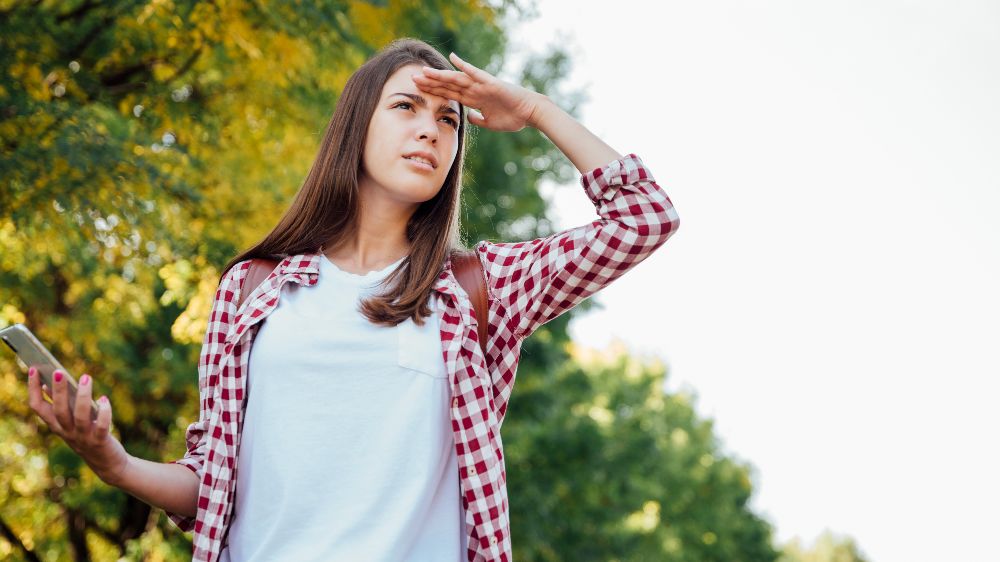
(92, 440)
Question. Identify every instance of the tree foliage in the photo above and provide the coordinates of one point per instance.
(146, 142)
(828, 547)
(604, 465)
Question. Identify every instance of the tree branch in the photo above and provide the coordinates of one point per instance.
(77, 13)
(103, 24)
(186, 65)
(12, 538)
(76, 527)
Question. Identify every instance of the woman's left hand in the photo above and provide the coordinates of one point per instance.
(502, 106)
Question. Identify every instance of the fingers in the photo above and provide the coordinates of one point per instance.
(38, 403)
(476, 118)
(81, 410)
(469, 69)
(459, 79)
(103, 424)
(60, 400)
(427, 84)
(440, 90)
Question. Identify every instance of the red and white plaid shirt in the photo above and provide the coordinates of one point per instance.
(529, 283)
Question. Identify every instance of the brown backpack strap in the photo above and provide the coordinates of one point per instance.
(260, 268)
(469, 273)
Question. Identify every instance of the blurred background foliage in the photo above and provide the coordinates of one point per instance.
(144, 143)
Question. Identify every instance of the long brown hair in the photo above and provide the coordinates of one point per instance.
(325, 209)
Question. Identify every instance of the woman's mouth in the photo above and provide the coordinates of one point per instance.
(420, 164)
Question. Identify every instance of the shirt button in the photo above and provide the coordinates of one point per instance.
(472, 470)
(493, 540)
(454, 403)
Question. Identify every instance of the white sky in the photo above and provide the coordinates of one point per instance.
(830, 295)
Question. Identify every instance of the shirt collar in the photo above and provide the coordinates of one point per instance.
(308, 263)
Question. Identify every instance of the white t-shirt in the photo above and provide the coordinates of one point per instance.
(347, 451)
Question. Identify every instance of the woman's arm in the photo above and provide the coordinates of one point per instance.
(534, 281)
(537, 280)
(157, 484)
(168, 486)
(584, 149)
(502, 106)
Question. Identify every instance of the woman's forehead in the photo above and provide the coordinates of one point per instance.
(400, 82)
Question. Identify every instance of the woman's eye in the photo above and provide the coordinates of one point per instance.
(409, 105)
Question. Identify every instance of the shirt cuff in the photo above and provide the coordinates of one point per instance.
(603, 182)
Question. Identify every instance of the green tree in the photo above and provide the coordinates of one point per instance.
(603, 465)
(827, 548)
(146, 142)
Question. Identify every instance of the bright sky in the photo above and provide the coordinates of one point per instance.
(831, 295)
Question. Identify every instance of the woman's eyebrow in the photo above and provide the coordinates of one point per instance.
(422, 102)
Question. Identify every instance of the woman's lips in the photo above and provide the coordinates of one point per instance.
(420, 165)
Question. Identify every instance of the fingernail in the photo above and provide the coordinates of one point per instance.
(85, 379)
(31, 372)
(103, 400)
(58, 376)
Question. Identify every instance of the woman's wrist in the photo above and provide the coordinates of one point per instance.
(543, 107)
(116, 475)
(585, 150)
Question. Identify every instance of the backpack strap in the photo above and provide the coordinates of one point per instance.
(260, 268)
(469, 273)
(465, 264)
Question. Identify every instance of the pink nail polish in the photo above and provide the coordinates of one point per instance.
(31, 372)
(85, 379)
(58, 376)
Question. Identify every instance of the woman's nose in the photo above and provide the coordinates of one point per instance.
(427, 128)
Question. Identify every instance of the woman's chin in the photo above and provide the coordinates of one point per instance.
(416, 192)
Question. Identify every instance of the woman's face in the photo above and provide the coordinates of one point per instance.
(408, 125)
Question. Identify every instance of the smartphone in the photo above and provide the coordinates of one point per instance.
(30, 352)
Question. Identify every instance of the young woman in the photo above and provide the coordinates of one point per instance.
(366, 423)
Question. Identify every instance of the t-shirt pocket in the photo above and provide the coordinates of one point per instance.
(420, 347)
